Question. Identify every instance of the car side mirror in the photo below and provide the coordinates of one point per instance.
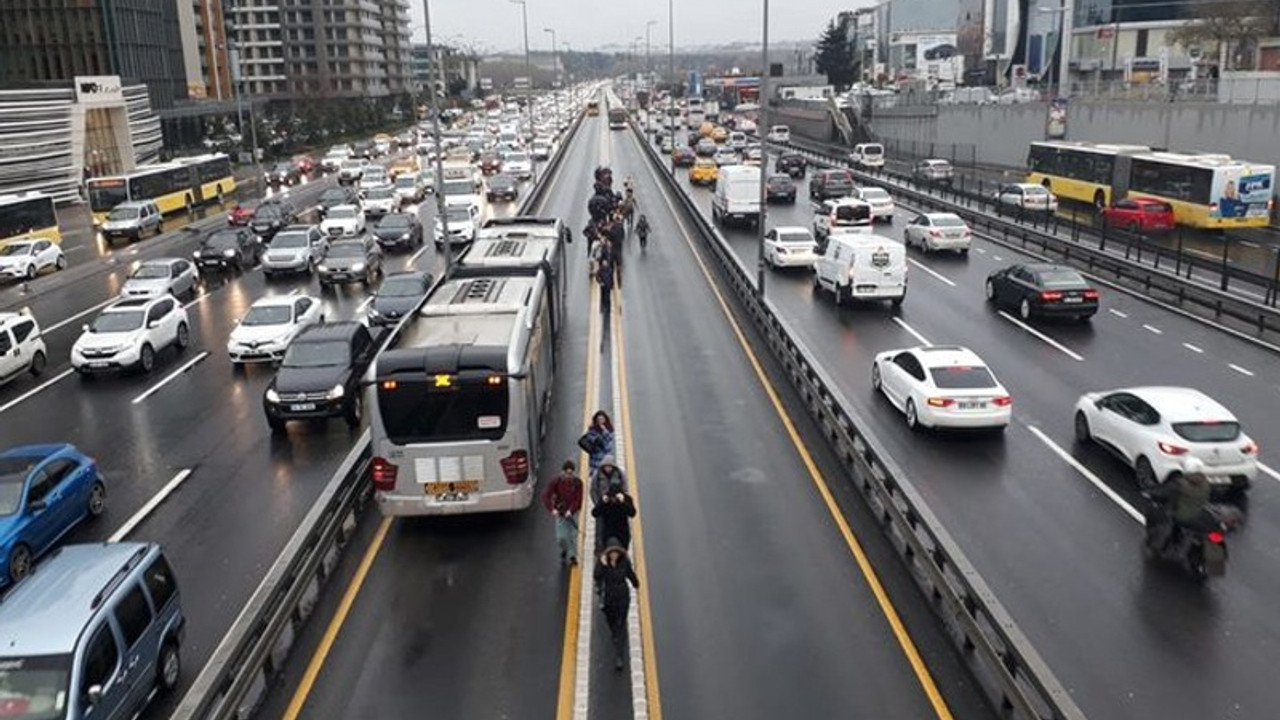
(37, 505)
(1099, 405)
(85, 328)
(94, 694)
(153, 324)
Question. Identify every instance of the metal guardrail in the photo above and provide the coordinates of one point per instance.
(1013, 675)
(1163, 278)
(234, 681)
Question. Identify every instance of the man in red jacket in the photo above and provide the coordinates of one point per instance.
(563, 499)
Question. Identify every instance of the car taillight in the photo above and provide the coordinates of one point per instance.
(1215, 537)
(1090, 294)
(935, 233)
(1051, 296)
(940, 402)
(1171, 449)
(1005, 401)
(516, 467)
(384, 474)
(1250, 448)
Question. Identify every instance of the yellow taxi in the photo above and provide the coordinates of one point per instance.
(704, 172)
(403, 166)
(719, 134)
(706, 128)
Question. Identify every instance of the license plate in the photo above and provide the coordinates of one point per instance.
(99, 364)
(302, 407)
(972, 405)
(1219, 479)
(1072, 299)
(461, 487)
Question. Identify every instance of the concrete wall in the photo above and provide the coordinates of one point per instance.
(813, 122)
(1000, 134)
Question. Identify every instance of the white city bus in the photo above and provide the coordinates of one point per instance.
(528, 242)
(460, 396)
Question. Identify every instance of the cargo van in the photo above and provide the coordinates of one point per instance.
(868, 155)
(737, 195)
(858, 266)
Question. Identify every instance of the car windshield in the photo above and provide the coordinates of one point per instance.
(396, 221)
(958, 377)
(877, 194)
(150, 271)
(120, 321)
(947, 221)
(872, 150)
(1207, 431)
(795, 238)
(458, 187)
(1156, 207)
(500, 181)
(342, 213)
(1034, 190)
(123, 213)
(352, 165)
(283, 168)
(334, 195)
(780, 181)
(457, 213)
(16, 249)
(346, 250)
(259, 315)
(406, 181)
(317, 354)
(221, 241)
(1060, 279)
(380, 193)
(401, 287)
(34, 687)
(517, 157)
(267, 212)
(290, 241)
(374, 174)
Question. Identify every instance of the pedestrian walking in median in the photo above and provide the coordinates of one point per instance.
(604, 276)
(612, 574)
(563, 499)
(614, 513)
(608, 479)
(597, 441)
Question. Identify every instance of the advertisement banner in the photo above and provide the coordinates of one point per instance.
(1241, 193)
(1056, 124)
(98, 90)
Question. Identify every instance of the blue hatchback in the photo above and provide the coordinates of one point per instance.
(45, 491)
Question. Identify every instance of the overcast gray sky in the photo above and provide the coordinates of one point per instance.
(495, 25)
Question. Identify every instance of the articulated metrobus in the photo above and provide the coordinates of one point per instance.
(1208, 191)
(28, 215)
(461, 394)
(529, 242)
(179, 184)
(617, 118)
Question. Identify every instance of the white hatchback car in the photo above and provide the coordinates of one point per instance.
(938, 231)
(27, 258)
(129, 333)
(21, 346)
(1027, 197)
(790, 246)
(343, 221)
(942, 386)
(162, 276)
(1155, 430)
(264, 333)
(881, 202)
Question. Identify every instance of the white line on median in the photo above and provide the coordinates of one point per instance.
(931, 271)
(77, 316)
(1152, 329)
(414, 257)
(1053, 343)
(1241, 370)
(42, 386)
(197, 300)
(1117, 313)
(1193, 348)
(1270, 471)
(914, 333)
(365, 304)
(151, 505)
(1130, 510)
(168, 378)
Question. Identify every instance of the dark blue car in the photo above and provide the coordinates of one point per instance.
(45, 491)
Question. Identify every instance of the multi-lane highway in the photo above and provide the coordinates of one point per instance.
(186, 451)
(767, 595)
(1053, 527)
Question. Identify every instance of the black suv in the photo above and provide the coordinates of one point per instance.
(319, 377)
(792, 164)
(339, 195)
(233, 248)
(829, 184)
(398, 230)
(271, 216)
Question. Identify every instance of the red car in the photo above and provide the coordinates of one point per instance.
(1140, 215)
(304, 164)
(490, 164)
(240, 214)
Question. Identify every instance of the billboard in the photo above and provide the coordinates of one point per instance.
(931, 56)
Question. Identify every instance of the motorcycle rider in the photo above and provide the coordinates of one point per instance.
(1183, 505)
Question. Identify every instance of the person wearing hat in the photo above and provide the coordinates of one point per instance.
(563, 499)
(598, 440)
(1184, 502)
(614, 513)
(612, 574)
(608, 480)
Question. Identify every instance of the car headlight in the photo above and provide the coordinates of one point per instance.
(404, 236)
(228, 253)
(322, 267)
(374, 312)
(272, 395)
(337, 392)
(357, 267)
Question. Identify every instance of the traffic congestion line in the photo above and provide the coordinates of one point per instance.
(939, 276)
(150, 505)
(1088, 474)
(1048, 340)
(905, 642)
(33, 391)
(914, 333)
(171, 376)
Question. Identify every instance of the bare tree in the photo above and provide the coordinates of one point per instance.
(1229, 26)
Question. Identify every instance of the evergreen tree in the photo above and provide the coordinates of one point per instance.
(833, 56)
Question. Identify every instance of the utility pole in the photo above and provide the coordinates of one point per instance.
(671, 96)
(764, 160)
(433, 105)
(528, 68)
(555, 71)
(648, 79)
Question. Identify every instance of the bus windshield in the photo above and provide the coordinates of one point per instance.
(106, 195)
(26, 216)
(422, 411)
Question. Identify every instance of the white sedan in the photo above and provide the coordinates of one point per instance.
(938, 231)
(343, 221)
(1155, 430)
(881, 202)
(27, 258)
(162, 276)
(790, 246)
(264, 333)
(942, 386)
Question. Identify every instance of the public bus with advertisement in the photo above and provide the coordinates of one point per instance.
(28, 215)
(179, 184)
(460, 395)
(1206, 190)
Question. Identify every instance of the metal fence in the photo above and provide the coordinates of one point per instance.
(960, 154)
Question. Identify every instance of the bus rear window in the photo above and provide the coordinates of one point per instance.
(433, 410)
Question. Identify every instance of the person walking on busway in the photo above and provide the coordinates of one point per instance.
(617, 235)
(614, 513)
(597, 441)
(608, 479)
(563, 499)
(604, 276)
(612, 574)
(600, 250)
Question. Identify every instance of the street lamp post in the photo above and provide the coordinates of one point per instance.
(555, 71)
(528, 68)
(671, 95)
(1065, 29)
(648, 78)
(433, 105)
(764, 160)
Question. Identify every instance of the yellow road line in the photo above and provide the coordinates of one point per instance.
(652, 694)
(569, 650)
(907, 645)
(335, 625)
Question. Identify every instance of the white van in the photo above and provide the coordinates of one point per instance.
(870, 155)
(857, 266)
(737, 195)
(845, 212)
(779, 134)
(737, 140)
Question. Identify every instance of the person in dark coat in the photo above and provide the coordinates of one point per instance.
(608, 479)
(614, 513)
(612, 574)
(604, 276)
(597, 441)
(563, 499)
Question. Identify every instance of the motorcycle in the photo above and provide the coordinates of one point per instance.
(1200, 548)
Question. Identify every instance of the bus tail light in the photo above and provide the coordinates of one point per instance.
(516, 467)
(384, 474)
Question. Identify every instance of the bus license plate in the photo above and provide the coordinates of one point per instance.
(462, 488)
